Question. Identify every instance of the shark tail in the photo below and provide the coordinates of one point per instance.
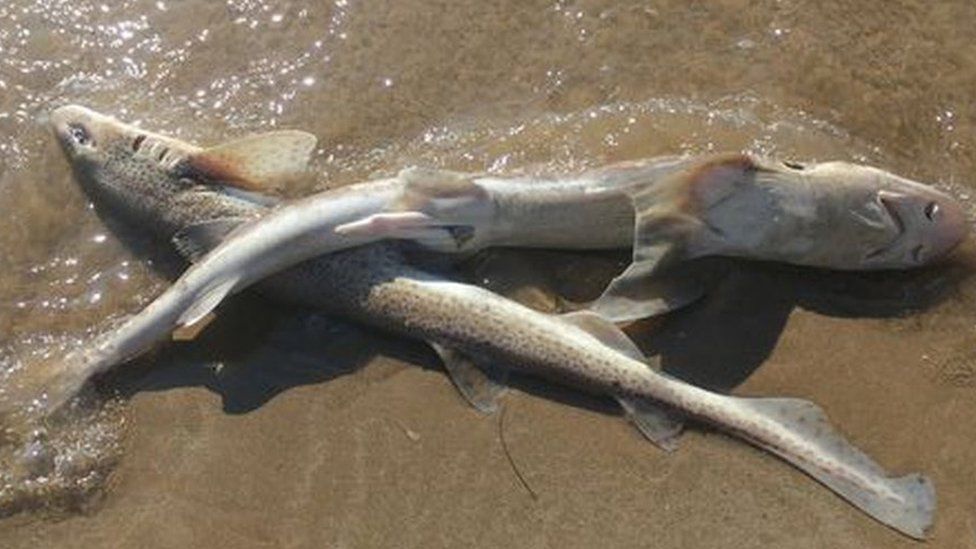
(906, 503)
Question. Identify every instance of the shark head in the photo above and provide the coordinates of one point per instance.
(128, 172)
(835, 215)
(921, 223)
(164, 184)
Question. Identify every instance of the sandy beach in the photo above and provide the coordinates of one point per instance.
(279, 427)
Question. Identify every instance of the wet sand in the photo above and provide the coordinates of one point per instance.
(283, 428)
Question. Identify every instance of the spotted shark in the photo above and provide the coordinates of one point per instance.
(477, 333)
(830, 215)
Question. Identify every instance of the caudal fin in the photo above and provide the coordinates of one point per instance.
(910, 512)
(905, 503)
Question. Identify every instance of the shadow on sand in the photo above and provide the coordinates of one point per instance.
(720, 341)
(263, 349)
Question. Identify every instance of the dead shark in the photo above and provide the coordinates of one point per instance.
(463, 213)
(834, 215)
(168, 171)
(475, 330)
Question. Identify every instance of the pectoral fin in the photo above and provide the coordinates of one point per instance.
(428, 189)
(408, 225)
(668, 216)
(266, 200)
(206, 302)
(257, 163)
(194, 241)
(192, 331)
(482, 388)
(438, 209)
(605, 331)
(639, 293)
(399, 224)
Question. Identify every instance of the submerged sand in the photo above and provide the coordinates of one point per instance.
(283, 428)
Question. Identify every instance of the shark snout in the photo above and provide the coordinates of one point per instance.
(61, 117)
(948, 225)
(80, 129)
(929, 225)
(72, 124)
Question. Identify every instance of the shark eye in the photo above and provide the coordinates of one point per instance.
(794, 165)
(931, 210)
(79, 134)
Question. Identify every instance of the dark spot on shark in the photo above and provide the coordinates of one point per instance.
(931, 210)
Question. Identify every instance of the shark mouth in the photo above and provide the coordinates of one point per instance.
(899, 225)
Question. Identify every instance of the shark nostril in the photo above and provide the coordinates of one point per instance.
(931, 210)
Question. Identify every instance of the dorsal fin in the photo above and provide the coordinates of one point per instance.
(720, 175)
(676, 203)
(605, 331)
(260, 162)
(424, 188)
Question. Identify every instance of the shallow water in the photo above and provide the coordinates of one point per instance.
(238, 427)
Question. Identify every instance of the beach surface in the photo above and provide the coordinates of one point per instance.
(278, 427)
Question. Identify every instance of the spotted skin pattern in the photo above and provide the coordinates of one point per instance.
(376, 285)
